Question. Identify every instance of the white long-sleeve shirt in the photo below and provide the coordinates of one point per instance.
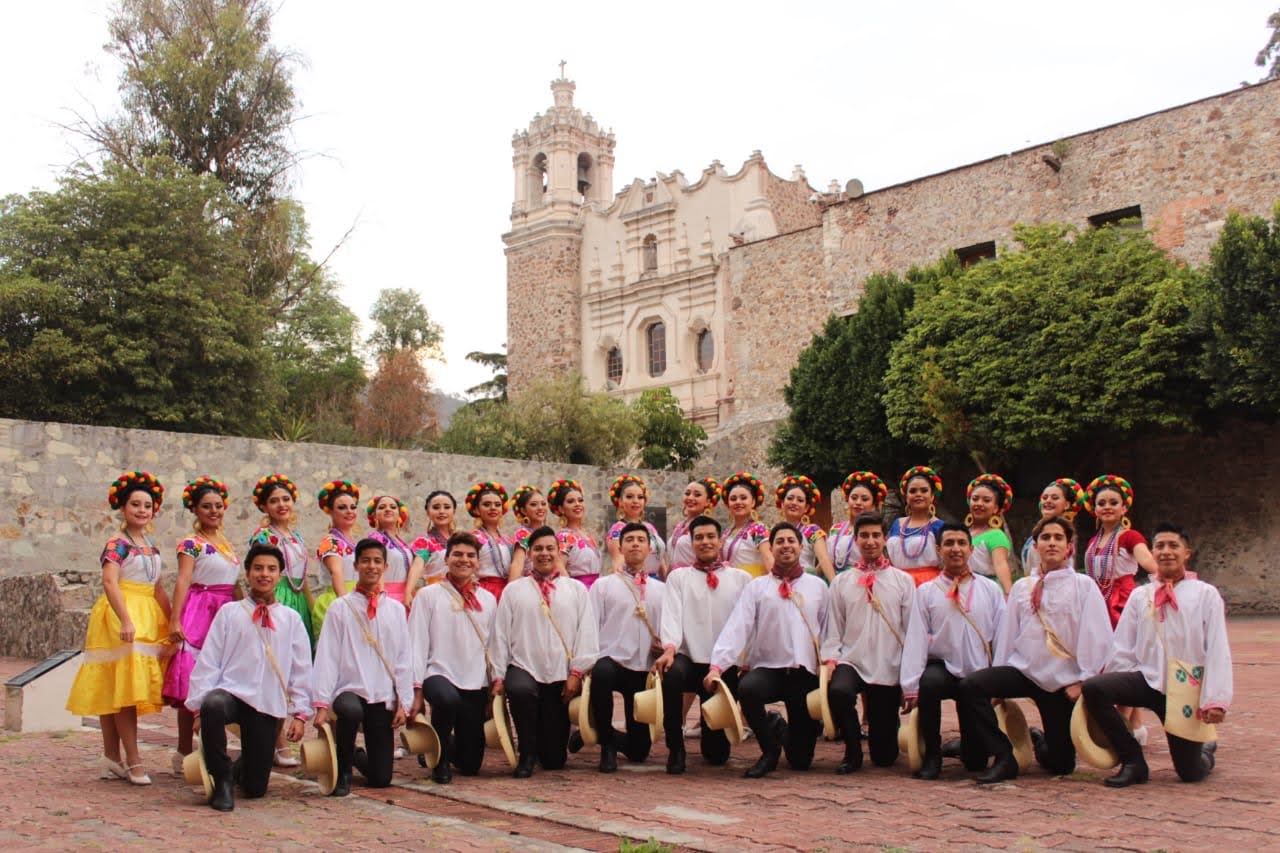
(1075, 609)
(524, 636)
(693, 613)
(443, 639)
(346, 662)
(623, 635)
(772, 631)
(233, 659)
(939, 630)
(1196, 633)
(856, 635)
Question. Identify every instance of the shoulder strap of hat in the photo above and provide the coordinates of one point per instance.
(459, 604)
(641, 611)
(271, 659)
(372, 640)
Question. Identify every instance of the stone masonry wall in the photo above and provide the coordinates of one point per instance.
(544, 313)
(790, 205)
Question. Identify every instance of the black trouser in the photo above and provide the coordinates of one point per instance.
(936, 684)
(1101, 695)
(257, 740)
(353, 713)
(541, 716)
(608, 676)
(1007, 682)
(883, 701)
(683, 677)
(460, 714)
(761, 686)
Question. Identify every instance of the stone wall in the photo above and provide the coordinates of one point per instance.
(54, 516)
(544, 311)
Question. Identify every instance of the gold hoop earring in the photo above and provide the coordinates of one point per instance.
(933, 511)
(755, 515)
(968, 520)
(996, 521)
(1126, 523)
(621, 515)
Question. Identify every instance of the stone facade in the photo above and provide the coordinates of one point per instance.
(544, 311)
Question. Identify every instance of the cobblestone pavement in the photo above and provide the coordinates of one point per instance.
(54, 800)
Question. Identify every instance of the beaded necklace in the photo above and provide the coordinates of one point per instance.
(150, 562)
(394, 540)
(904, 533)
(729, 548)
(221, 545)
(292, 538)
(837, 533)
(1107, 559)
(495, 543)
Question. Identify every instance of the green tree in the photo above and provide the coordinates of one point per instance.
(495, 388)
(122, 303)
(1242, 354)
(667, 439)
(1271, 52)
(836, 422)
(401, 321)
(1064, 339)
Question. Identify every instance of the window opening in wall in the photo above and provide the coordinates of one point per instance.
(540, 173)
(1125, 217)
(656, 345)
(650, 247)
(977, 253)
(613, 366)
(584, 173)
(706, 350)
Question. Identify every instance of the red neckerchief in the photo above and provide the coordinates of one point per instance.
(545, 586)
(709, 569)
(868, 576)
(470, 601)
(640, 578)
(262, 614)
(1037, 594)
(1165, 596)
(371, 609)
(954, 592)
(786, 580)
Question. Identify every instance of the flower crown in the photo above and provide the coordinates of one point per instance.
(811, 491)
(878, 488)
(1004, 492)
(519, 496)
(132, 481)
(559, 491)
(331, 491)
(263, 488)
(620, 485)
(745, 478)
(1107, 481)
(714, 492)
(372, 505)
(472, 498)
(200, 483)
(1074, 493)
(935, 480)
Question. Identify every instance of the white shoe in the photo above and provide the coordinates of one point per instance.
(747, 734)
(175, 763)
(1140, 735)
(111, 769)
(400, 753)
(144, 779)
(285, 758)
(692, 731)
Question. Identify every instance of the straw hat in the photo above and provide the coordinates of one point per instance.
(820, 705)
(195, 771)
(320, 759)
(419, 738)
(1014, 725)
(721, 712)
(910, 742)
(580, 713)
(1091, 744)
(496, 732)
(647, 705)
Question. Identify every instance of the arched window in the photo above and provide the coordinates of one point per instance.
(655, 338)
(586, 176)
(705, 350)
(650, 248)
(613, 366)
(538, 175)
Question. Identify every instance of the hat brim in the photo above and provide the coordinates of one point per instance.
(1014, 725)
(733, 728)
(652, 697)
(421, 738)
(194, 769)
(590, 736)
(909, 740)
(501, 730)
(1091, 744)
(819, 702)
(320, 758)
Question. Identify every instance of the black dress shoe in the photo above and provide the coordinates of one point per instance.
(1210, 751)
(576, 743)
(524, 768)
(675, 761)
(608, 759)
(342, 787)
(442, 773)
(930, 768)
(221, 799)
(766, 765)
(1039, 747)
(1134, 773)
(852, 761)
(1004, 769)
(951, 749)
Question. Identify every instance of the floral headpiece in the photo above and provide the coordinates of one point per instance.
(620, 485)
(331, 491)
(519, 496)
(745, 478)
(199, 484)
(714, 492)
(1114, 481)
(878, 488)
(998, 484)
(132, 481)
(935, 481)
(372, 505)
(472, 499)
(559, 491)
(263, 488)
(1074, 493)
(811, 492)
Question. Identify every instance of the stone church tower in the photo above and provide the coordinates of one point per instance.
(563, 163)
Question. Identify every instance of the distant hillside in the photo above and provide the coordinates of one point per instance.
(446, 405)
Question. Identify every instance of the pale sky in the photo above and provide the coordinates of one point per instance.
(410, 108)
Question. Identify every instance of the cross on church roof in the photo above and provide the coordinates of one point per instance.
(562, 65)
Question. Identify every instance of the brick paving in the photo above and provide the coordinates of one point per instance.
(54, 802)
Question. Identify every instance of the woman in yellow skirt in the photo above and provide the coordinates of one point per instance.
(126, 647)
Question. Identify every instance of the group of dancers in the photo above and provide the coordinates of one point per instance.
(547, 624)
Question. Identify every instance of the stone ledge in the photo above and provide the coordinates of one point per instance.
(38, 616)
